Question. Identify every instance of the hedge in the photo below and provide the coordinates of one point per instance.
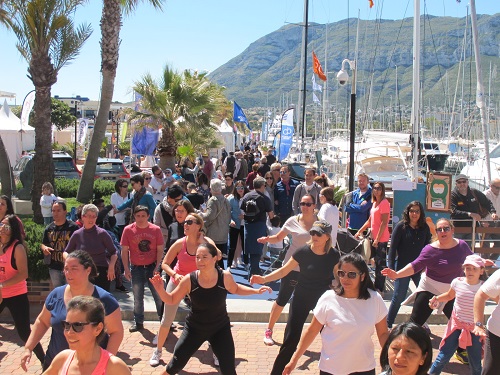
(68, 188)
(37, 270)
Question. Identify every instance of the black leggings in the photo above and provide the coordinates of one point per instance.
(491, 362)
(369, 372)
(190, 341)
(287, 286)
(19, 308)
(102, 278)
(234, 233)
(421, 310)
(304, 300)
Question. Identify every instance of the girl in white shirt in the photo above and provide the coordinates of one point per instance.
(46, 201)
(329, 210)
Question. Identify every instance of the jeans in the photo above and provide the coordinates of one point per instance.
(448, 349)
(140, 277)
(400, 291)
(57, 277)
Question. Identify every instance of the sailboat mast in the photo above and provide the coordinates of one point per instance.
(415, 115)
(480, 89)
(303, 74)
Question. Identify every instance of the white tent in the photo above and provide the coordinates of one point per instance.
(226, 134)
(14, 137)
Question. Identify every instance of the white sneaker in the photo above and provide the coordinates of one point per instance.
(268, 337)
(155, 340)
(155, 358)
(216, 360)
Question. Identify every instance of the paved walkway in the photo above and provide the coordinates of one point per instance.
(252, 356)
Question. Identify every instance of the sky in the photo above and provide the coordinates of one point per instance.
(196, 34)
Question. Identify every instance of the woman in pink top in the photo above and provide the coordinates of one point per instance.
(184, 249)
(378, 223)
(84, 329)
(13, 275)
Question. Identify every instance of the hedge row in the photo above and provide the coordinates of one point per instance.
(68, 188)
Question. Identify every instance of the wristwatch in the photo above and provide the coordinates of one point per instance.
(480, 325)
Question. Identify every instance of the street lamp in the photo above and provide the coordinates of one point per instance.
(343, 77)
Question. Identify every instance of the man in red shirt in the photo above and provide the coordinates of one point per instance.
(208, 167)
(142, 251)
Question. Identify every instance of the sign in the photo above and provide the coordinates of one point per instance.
(438, 192)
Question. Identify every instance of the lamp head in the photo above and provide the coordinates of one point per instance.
(342, 77)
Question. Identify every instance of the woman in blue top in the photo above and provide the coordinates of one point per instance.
(236, 228)
(78, 269)
(140, 197)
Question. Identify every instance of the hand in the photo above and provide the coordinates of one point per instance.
(232, 224)
(494, 216)
(263, 239)
(257, 279)
(475, 216)
(264, 289)
(358, 235)
(363, 203)
(157, 281)
(127, 274)
(111, 273)
(375, 243)
(178, 278)
(433, 303)
(391, 274)
(289, 368)
(480, 332)
(25, 359)
(489, 263)
(46, 250)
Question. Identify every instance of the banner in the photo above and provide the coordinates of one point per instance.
(123, 131)
(265, 129)
(317, 68)
(28, 103)
(316, 87)
(315, 99)
(286, 136)
(239, 115)
(137, 100)
(83, 125)
(144, 141)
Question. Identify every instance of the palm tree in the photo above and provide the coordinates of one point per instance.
(48, 40)
(184, 101)
(111, 22)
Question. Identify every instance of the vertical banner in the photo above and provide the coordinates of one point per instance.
(28, 103)
(265, 128)
(287, 131)
(83, 125)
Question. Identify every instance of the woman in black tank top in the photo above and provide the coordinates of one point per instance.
(208, 319)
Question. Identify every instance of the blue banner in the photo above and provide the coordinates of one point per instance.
(239, 115)
(265, 127)
(144, 142)
(286, 137)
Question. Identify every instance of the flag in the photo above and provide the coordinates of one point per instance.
(372, 4)
(315, 99)
(137, 100)
(29, 102)
(317, 68)
(239, 115)
(316, 87)
(144, 142)
(83, 125)
(286, 134)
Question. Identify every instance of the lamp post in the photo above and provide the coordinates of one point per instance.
(76, 128)
(343, 77)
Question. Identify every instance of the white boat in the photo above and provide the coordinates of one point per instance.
(477, 170)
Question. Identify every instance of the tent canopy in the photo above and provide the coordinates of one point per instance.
(227, 135)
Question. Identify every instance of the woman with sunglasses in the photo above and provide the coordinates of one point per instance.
(208, 320)
(79, 269)
(184, 249)
(120, 196)
(347, 317)
(84, 330)
(270, 185)
(409, 236)
(7, 208)
(442, 261)
(297, 227)
(378, 222)
(147, 181)
(13, 275)
(317, 261)
(236, 228)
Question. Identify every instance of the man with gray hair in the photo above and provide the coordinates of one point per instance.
(217, 217)
(256, 206)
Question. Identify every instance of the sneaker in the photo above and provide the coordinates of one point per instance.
(122, 288)
(216, 360)
(136, 327)
(462, 356)
(155, 340)
(268, 337)
(155, 358)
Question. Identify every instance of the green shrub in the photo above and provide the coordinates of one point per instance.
(37, 271)
(103, 189)
(67, 188)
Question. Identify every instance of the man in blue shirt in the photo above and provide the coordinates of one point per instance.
(283, 194)
(360, 204)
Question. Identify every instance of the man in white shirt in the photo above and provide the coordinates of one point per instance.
(306, 187)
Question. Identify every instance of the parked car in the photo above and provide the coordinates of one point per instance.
(64, 166)
(111, 169)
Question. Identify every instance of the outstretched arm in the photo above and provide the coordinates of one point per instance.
(243, 290)
(275, 275)
(177, 294)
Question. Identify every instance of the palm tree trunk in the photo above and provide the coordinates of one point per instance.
(110, 41)
(167, 147)
(8, 185)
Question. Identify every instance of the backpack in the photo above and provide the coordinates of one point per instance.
(251, 210)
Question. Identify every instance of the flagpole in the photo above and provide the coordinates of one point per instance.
(303, 74)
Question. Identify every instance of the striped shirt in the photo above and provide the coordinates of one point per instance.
(464, 299)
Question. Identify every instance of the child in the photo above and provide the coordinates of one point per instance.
(461, 323)
(46, 201)
(274, 228)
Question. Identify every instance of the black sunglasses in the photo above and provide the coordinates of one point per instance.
(77, 326)
(190, 222)
(147, 178)
(350, 274)
(443, 229)
(308, 204)
(314, 233)
(124, 186)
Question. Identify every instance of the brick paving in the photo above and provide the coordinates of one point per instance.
(252, 356)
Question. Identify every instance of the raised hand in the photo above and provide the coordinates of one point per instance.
(257, 279)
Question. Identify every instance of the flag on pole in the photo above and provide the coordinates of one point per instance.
(315, 99)
(317, 68)
(239, 115)
(372, 4)
(316, 87)
(29, 102)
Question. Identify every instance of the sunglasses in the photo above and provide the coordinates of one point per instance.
(308, 204)
(77, 326)
(269, 178)
(147, 178)
(377, 188)
(462, 182)
(167, 172)
(414, 211)
(240, 188)
(443, 229)
(350, 274)
(124, 186)
(283, 172)
(158, 175)
(314, 233)
(190, 222)
(5, 226)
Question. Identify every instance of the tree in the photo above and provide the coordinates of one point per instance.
(179, 105)
(111, 22)
(48, 40)
(60, 114)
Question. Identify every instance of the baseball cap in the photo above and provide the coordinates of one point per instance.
(474, 260)
(321, 227)
(461, 177)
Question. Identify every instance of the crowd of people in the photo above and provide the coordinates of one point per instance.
(184, 232)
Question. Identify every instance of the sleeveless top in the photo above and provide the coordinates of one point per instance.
(7, 272)
(100, 369)
(208, 306)
(186, 263)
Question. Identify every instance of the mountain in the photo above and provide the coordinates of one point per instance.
(268, 69)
